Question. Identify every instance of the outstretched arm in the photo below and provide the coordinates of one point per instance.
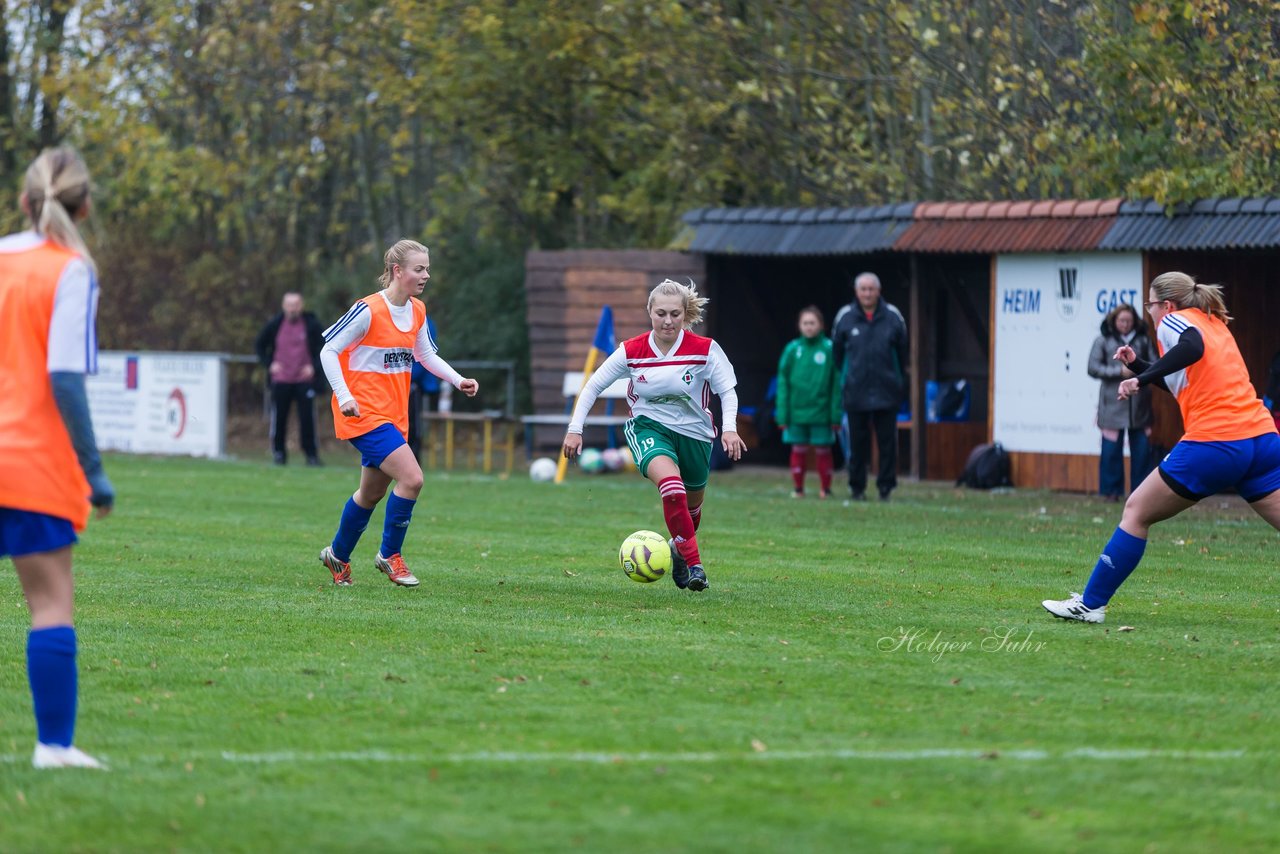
(1184, 354)
(610, 371)
(424, 350)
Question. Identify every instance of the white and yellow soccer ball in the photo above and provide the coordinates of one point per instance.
(645, 556)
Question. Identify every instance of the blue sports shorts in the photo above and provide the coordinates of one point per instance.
(1196, 470)
(378, 444)
(25, 533)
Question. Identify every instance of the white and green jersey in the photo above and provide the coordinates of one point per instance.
(673, 388)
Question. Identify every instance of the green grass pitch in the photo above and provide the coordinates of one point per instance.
(875, 677)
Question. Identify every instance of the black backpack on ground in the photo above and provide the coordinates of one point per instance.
(987, 467)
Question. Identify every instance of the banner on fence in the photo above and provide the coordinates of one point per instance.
(1048, 309)
(160, 403)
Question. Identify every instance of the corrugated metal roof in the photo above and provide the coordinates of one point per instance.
(797, 231)
(1206, 224)
(1051, 225)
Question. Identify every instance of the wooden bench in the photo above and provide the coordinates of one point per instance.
(484, 421)
(569, 388)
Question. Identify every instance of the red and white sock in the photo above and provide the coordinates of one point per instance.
(695, 513)
(799, 462)
(675, 507)
(822, 455)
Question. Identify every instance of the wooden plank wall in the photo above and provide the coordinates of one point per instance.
(1068, 472)
(565, 292)
(948, 445)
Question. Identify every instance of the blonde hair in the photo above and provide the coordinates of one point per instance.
(693, 303)
(398, 254)
(1185, 292)
(59, 176)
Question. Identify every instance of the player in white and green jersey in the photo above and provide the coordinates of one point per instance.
(673, 374)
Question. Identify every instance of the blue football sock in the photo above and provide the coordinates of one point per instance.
(396, 524)
(51, 667)
(354, 520)
(1119, 558)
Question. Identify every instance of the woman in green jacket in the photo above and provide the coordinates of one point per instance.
(808, 403)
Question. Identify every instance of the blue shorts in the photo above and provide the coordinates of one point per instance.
(378, 444)
(25, 533)
(1196, 470)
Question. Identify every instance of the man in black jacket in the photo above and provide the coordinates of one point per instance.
(870, 341)
(289, 348)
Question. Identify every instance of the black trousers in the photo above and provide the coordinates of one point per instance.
(885, 424)
(283, 396)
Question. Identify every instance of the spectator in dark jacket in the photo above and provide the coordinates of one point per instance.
(289, 348)
(1121, 326)
(870, 340)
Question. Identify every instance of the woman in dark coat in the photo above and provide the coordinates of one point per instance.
(1122, 325)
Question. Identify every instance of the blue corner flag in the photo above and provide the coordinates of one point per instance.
(604, 342)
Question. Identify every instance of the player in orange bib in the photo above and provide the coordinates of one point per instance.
(1230, 440)
(368, 357)
(50, 472)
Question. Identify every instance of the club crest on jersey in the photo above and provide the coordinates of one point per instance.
(687, 378)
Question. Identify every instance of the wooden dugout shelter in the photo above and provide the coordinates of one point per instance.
(972, 279)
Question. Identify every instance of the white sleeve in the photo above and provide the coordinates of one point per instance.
(729, 408)
(441, 368)
(613, 369)
(722, 377)
(350, 329)
(424, 345)
(73, 338)
(425, 351)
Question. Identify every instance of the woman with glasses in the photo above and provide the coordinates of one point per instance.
(1230, 440)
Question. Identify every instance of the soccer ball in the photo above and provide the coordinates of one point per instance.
(628, 462)
(645, 556)
(542, 469)
(612, 459)
(591, 462)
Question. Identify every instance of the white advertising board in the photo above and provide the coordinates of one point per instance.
(1048, 310)
(159, 403)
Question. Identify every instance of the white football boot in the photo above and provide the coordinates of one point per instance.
(1074, 609)
(54, 756)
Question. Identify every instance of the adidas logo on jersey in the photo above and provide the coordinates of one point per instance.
(641, 379)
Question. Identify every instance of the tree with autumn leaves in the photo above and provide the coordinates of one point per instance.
(245, 147)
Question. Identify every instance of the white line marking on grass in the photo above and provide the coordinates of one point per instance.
(293, 757)
(601, 758)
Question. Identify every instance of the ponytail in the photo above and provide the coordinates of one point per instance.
(57, 190)
(1185, 292)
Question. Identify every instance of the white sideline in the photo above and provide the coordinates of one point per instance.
(285, 757)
